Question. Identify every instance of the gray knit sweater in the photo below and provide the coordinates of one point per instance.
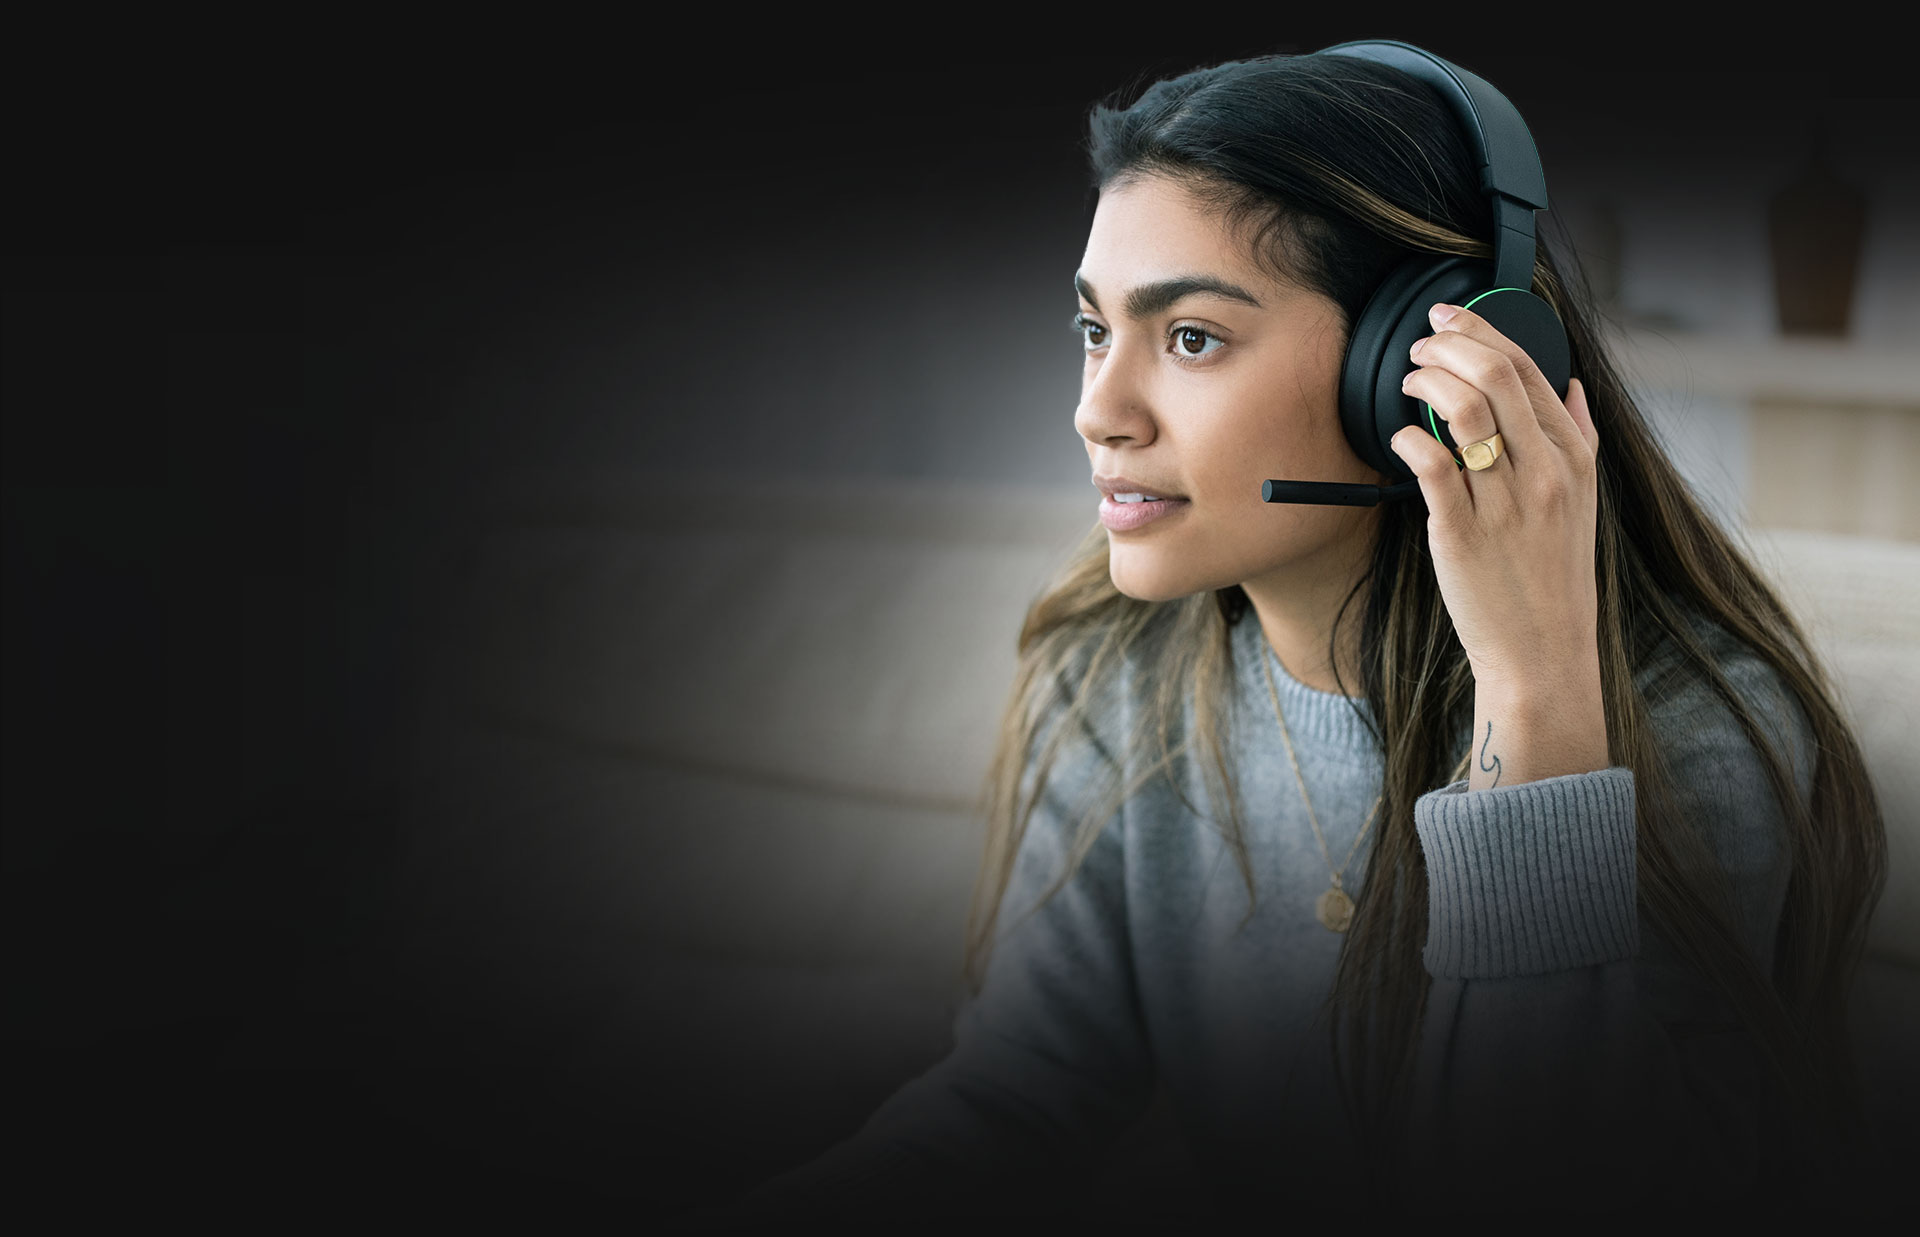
(1567, 1060)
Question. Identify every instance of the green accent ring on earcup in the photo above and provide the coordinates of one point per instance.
(1458, 463)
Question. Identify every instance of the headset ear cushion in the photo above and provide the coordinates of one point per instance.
(1372, 406)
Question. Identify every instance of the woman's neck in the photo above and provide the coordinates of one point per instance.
(1296, 607)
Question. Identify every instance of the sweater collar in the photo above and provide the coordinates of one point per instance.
(1313, 716)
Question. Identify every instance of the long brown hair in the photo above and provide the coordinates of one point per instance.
(1342, 168)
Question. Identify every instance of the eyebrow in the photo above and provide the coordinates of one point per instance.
(1162, 294)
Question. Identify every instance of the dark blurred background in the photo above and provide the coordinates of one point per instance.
(282, 307)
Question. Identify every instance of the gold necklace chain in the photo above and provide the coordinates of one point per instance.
(1334, 907)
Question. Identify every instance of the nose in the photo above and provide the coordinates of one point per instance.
(1113, 403)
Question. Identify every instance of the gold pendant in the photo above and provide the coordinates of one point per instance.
(1335, 909)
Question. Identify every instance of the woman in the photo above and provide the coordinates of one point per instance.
(1554, 856)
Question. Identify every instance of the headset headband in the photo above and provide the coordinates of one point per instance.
(1509, 163)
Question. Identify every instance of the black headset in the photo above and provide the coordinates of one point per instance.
(1372, 406)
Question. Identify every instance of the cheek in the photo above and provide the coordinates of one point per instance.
(1228, 476)
(1285, 432)
(1252, 437)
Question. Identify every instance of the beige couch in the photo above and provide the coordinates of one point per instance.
(732, 735)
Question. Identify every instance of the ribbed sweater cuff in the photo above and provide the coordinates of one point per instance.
(1529, 878)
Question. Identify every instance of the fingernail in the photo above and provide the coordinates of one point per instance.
(1417, 345)
(1441, 312)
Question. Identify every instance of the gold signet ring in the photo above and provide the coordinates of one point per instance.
(1482, 454)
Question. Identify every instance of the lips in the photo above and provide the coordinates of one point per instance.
(1123, 517)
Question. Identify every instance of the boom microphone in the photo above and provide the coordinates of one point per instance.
(1337, 493)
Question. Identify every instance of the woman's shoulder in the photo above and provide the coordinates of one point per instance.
(1697, 727)
(1120, 679)
(1092, 682)
(1679, 690)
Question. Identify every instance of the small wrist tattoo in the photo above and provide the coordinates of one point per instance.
(1493, 768)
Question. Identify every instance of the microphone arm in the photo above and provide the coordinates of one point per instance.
(1336, 493)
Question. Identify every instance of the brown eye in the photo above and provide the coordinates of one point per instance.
(1193, 336)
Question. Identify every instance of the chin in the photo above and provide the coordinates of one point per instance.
(1151, 581)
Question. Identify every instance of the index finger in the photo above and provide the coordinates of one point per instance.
(1475, 327)
(1549, 408)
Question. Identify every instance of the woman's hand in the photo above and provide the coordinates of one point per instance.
(1513, 544)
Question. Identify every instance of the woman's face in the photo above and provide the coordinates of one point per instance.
(1200, 395)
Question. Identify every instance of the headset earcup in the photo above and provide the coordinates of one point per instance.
(1372, 406)
(1530, 322)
